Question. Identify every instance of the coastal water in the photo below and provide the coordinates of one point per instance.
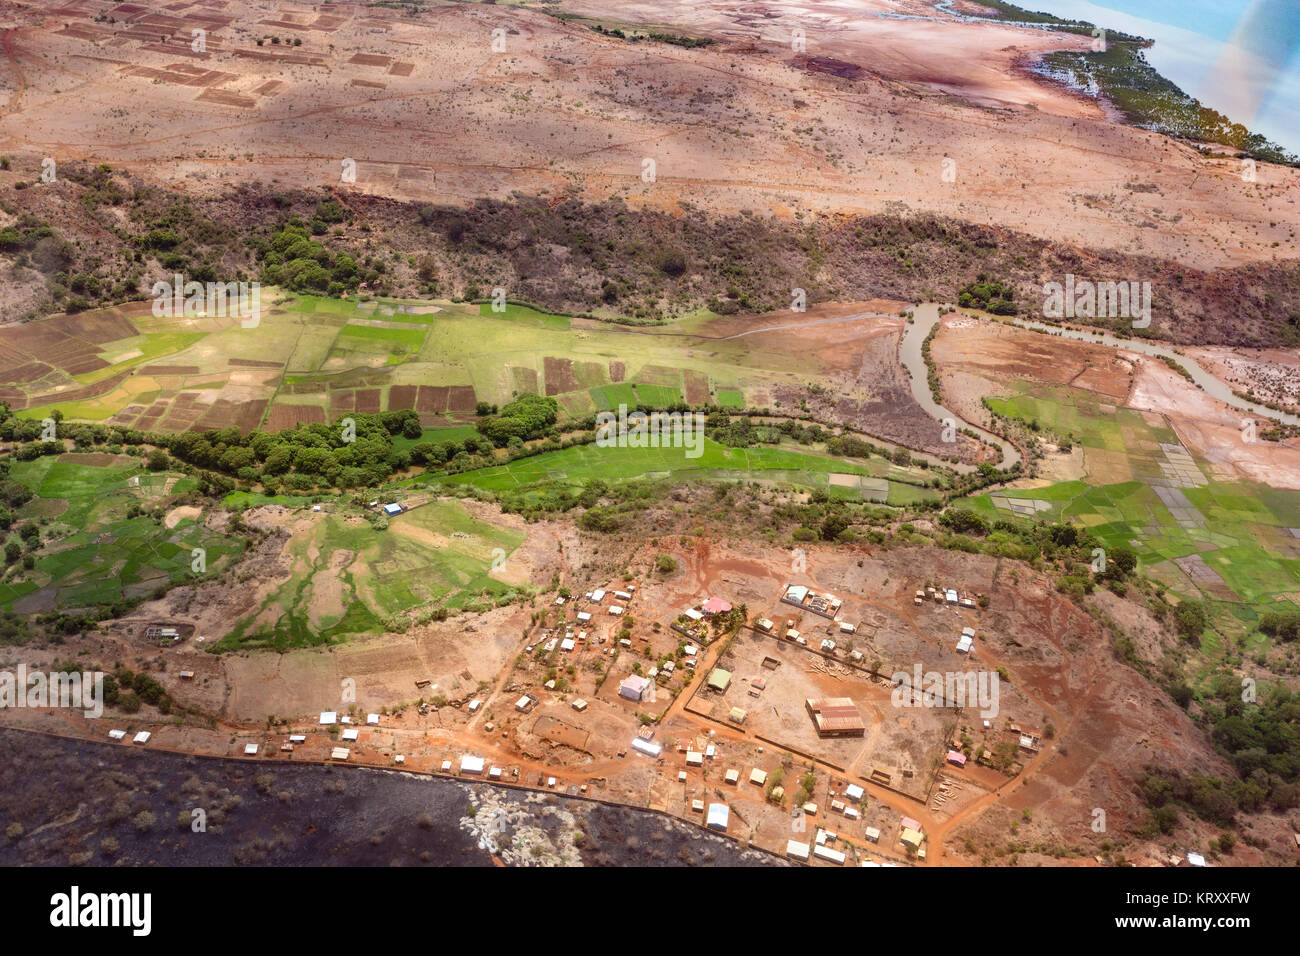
(1240, 57)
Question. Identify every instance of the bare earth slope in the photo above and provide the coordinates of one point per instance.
(428, 110)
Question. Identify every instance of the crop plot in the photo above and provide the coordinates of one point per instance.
(347, 578)
(96, 554)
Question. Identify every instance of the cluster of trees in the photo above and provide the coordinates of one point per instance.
(1072, 547)
(306, 457)
(988, 294)
(673, 38)
(291, 258)
(1283, 625)
(527, 417)
(1263, 743)
(127, 691)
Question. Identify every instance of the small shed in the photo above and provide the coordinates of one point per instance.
(339, 753)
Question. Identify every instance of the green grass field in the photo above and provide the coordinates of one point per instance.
(576, 465)
(93, 554)
(433, 555)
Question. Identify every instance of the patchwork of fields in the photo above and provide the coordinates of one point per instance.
(1234, 543)
(314, 359)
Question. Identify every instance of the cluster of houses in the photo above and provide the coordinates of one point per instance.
(966, 640)
(946, 596)
(141, 738)
(825, 840)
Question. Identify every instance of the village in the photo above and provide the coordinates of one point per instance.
(792, 728)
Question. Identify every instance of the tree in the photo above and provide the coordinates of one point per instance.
(832, 525)
(1190, 620)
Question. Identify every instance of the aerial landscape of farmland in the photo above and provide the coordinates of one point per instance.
(568, 433)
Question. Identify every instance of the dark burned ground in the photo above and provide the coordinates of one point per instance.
(85, 803)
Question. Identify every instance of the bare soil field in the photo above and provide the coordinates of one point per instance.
(981, 358)
(745, 124)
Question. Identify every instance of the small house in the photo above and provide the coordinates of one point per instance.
(634, 687)
(471, 765)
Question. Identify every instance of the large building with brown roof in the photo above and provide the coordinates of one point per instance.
(836, 717)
